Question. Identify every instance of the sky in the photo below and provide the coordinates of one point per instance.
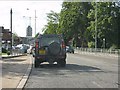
(22, 10)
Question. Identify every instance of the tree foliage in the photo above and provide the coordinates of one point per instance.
(73, 22)
(108, 14)
(77, 22)
(16, 39)
(52, 25)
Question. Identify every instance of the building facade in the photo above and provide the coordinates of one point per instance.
(6, 37)
(29, 31)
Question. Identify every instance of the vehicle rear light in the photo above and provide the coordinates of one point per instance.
(36, 45)
(63, 45)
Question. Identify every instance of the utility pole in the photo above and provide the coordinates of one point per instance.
(96, 27)
(11, 28)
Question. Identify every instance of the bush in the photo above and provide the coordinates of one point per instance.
(91, 44)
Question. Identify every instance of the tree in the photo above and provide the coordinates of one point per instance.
(16, 39)
(108, 14)
(36, 35)
(73, 22)
(76, 22)
(52, 25)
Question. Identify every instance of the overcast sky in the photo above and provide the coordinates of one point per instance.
(20, 10)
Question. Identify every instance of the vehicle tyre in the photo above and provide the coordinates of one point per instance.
(54, 48)
(36, 63)
(62, 62)
(73, 52)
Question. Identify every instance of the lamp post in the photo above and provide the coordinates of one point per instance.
(11, 28)
(35, 19)
(35, 22)
(96, 27)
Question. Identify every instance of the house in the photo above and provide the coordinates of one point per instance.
(6, 37)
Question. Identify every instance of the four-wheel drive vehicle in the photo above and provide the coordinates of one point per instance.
(50, 48)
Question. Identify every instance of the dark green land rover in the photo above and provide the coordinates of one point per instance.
(50, 48)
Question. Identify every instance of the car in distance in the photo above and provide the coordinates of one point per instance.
(30, 50)
(69, 49)
(50, 48)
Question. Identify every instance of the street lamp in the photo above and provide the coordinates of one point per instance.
(35, 22)
(35, 19)
(96, 27)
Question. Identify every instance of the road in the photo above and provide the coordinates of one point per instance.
(81, 71)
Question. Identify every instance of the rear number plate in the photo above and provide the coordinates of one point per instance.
(41, 51)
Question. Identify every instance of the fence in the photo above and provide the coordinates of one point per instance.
(98, 50)
(17, 52)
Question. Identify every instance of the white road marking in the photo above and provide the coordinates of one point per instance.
(97, 84)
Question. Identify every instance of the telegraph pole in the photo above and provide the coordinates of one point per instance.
(11, 28)
(96, 26)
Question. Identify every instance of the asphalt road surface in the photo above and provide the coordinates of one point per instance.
(81, 71)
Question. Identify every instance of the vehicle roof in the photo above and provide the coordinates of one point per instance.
(50, 35)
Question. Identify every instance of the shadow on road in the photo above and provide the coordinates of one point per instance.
(69, 66)
(82, 67)
(46, 70)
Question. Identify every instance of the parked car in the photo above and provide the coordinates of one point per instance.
(23, 48)
(69, 49)
(30, 50)
(50, 48)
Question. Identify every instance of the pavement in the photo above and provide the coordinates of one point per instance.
(15, 71)
(11, 56)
